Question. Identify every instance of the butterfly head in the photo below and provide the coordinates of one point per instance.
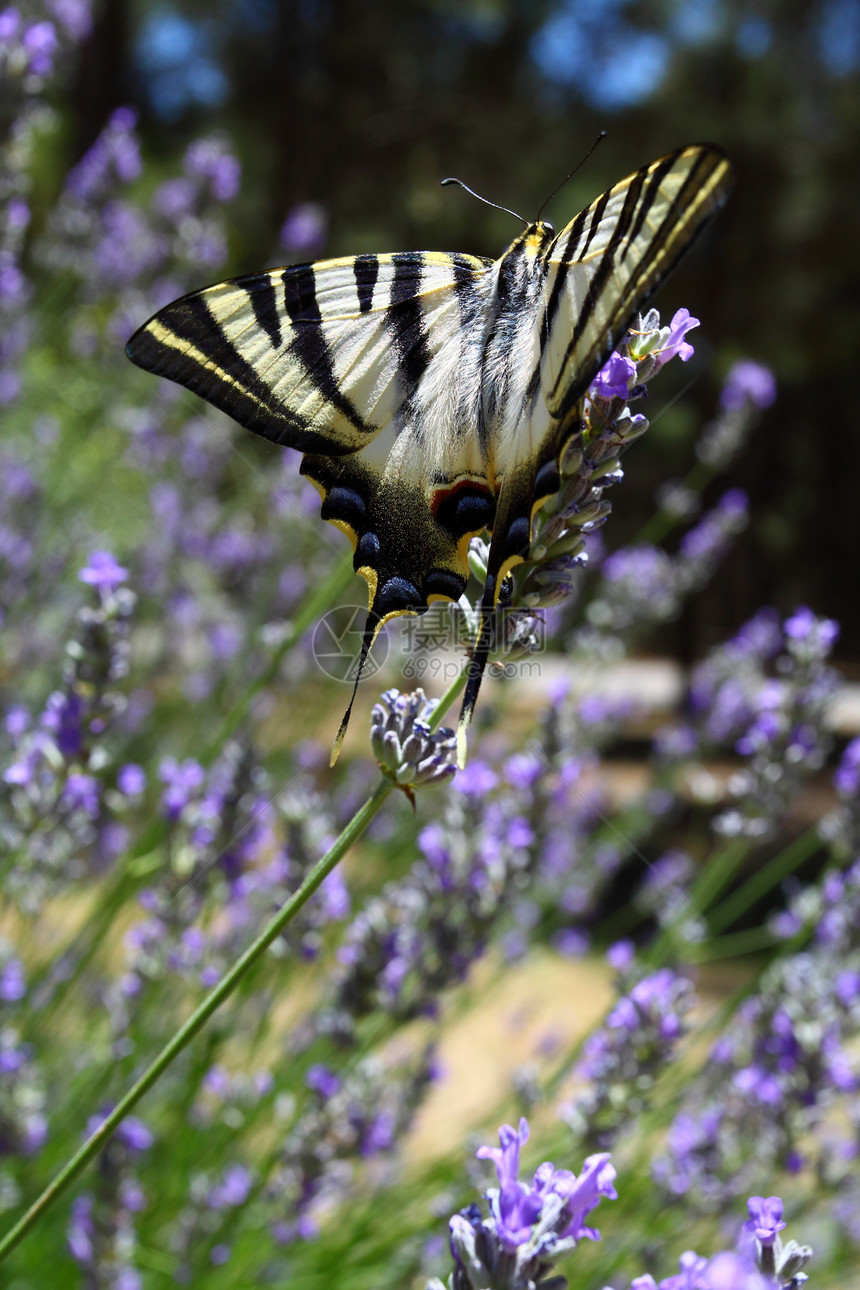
(533, 240)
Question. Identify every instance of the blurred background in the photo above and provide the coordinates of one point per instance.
(346, 116)
(167, 716)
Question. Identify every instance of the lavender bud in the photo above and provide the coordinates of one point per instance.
(407, 750)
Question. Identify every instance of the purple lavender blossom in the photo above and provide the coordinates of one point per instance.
(131, 779)
(232, 1189)
(366, 1116)
(320, 1079)
(506, 1157)
(74, 16)
(622, 1060)
(765, 1218)
(615, 378)
(115, 154)
(674, 344)
(530, 1224)
(761, 1264)
(846, 780)
(13, 984)
(181, 781)
(778, 1070)
(132, 1133)
(103, 572)
(212, 161)
(39, 43)
(304, 230)
(748, 382)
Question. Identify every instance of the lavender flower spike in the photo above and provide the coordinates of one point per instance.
(765, 1218)
(783, 1262)
(530, 1225)
(407, 750)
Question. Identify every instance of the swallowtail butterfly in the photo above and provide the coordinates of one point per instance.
(432, 394)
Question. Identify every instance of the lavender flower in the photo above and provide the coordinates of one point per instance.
(615, 379)
(765, 1219)
(621, 1061)
(530, 1226)
(842, 826)
(781, 1067)
(53, 808)
(764, 695)
(101, 1233)
(747, 383)
(591, 463)
(360, 1117)
(211, 162)
(423, 932)
(760, 1264)
(23, 1101)
(304, 231)
(748, 389)
(122, 254)
(643, 584)
(114, 157)
(403, 743)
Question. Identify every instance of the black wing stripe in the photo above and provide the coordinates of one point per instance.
(264, 302)
(406, 320)
(309, 342)
(366, 270)
(561, 277)
(191, 348)
(465, 285)
(603, 272)
(673, 222)
(599, 210)
(674, 216)
(655, 179)
(572, 252)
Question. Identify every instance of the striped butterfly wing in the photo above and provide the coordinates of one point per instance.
(432, 394)
(355, 363)
(598, 273)
(607, 263)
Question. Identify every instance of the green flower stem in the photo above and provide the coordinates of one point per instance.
(718, 873)
(713, 879)
(761, 882)
(663, 522)
(221, 992)
(733, 945)
(455, 689)
(354, 830)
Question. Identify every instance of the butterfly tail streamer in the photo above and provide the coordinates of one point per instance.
(509, 546)
(371, 630)
(477, 665)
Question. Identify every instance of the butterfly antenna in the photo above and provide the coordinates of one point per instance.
(485, 200)
(578, 165)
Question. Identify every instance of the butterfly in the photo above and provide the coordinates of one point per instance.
(432, 394)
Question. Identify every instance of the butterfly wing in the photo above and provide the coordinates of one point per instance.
(607, 263)
(428, 403)
(599, 272)
(359, 364)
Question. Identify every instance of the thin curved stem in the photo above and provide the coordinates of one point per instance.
(354, 829)
(218, 995)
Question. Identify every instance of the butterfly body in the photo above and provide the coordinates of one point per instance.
(431, 394)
